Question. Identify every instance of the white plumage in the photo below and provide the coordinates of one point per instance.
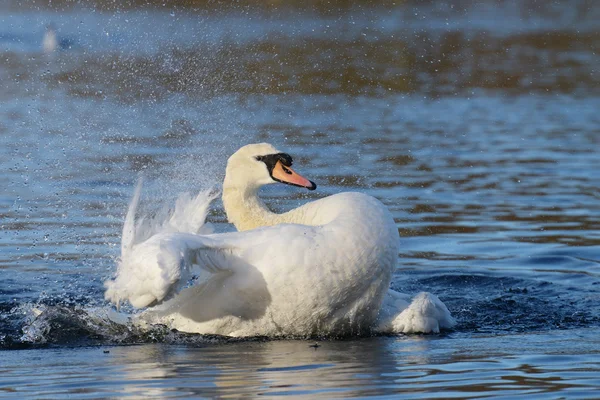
(321, 269)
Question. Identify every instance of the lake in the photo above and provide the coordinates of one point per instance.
(477, 125)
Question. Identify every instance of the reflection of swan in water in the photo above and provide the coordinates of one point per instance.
(251, 369)
(322, 268)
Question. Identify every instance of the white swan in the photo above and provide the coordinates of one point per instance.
(50, 40)
(321, 269)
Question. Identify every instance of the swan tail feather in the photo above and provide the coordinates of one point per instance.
(425, 314)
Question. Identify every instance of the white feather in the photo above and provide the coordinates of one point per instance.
(323, 268)
(145, 272)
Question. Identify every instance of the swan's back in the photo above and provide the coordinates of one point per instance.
(331, 277)
(321, 269)
(351, 213)
(298, 279)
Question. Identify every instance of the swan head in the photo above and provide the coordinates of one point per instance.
(255, 165)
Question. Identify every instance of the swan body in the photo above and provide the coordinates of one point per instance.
(321, 269)
(50, 40)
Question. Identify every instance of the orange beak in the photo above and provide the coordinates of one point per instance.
(286, 175)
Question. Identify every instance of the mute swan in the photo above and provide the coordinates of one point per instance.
(321, 269)
(51, 42)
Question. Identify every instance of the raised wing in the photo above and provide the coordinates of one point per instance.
(153, 270)
(158, 254)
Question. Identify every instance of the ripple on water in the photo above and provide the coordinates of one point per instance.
(476, 125)
(460, 365)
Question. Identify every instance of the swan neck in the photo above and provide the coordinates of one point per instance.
(245, 209)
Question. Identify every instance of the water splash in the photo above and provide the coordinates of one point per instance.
(58, 325)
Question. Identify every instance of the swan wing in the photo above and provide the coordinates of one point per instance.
(159, 268)
(154, 270)
(243, 268)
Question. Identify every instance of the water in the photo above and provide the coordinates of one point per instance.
(477, 127)
(433, 367)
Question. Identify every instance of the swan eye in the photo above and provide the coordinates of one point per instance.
(259, 158)
(285, 159)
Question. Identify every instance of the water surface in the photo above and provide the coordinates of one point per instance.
(478, 127)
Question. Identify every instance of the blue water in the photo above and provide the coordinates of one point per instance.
(478, 128)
